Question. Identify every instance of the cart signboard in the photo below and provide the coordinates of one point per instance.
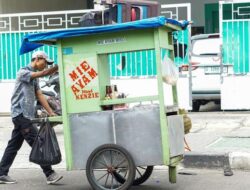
(81, 82)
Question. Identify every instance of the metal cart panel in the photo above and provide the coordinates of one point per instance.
(89, 130)
(176, 135)
(136, 129)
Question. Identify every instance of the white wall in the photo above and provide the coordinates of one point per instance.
(148, 87)
(235, 93)
(6, 89)
(135, 87)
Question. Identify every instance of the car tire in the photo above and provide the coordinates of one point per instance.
(196, 106)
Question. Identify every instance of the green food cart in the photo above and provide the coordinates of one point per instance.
(112, 145)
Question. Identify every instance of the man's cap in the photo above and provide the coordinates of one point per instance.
(42, 54)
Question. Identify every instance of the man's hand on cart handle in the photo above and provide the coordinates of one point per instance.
(52, 114)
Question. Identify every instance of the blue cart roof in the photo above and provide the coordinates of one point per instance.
(33, 41)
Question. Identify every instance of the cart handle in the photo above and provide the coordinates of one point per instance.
(39, 120)
(55, 119)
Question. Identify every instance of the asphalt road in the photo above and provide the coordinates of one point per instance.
(32, 178)
(76, 180)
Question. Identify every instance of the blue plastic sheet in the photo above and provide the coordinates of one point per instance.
(33, 41)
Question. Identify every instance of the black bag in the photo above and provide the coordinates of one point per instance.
(46, 150)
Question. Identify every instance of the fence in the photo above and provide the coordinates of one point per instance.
(14, 26)
(180, 38)
(134, 64)
(235, 32)
(143, 62)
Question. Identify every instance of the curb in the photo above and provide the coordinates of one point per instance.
(4, 114)
(205, 160)
(234, 160)
(240, 160)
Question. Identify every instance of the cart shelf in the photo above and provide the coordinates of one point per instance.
(129, 100)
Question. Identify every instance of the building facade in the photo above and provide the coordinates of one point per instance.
(201, 10)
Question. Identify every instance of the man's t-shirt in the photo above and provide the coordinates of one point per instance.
(24, 100)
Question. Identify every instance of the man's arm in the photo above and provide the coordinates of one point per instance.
(43, 101)
(45, 72)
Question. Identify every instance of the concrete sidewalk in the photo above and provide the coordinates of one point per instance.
(213, 135)
(219, 138)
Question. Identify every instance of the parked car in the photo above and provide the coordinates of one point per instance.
(205, 60)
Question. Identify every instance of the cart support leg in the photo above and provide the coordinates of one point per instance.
(172, 174)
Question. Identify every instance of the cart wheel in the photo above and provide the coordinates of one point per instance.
(104, 162)
(142, 175)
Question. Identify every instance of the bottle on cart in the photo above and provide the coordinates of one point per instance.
(108, 96)
(115, 92)
(108, 92)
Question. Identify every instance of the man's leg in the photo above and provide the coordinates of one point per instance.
(9, 155)
(11, 150)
